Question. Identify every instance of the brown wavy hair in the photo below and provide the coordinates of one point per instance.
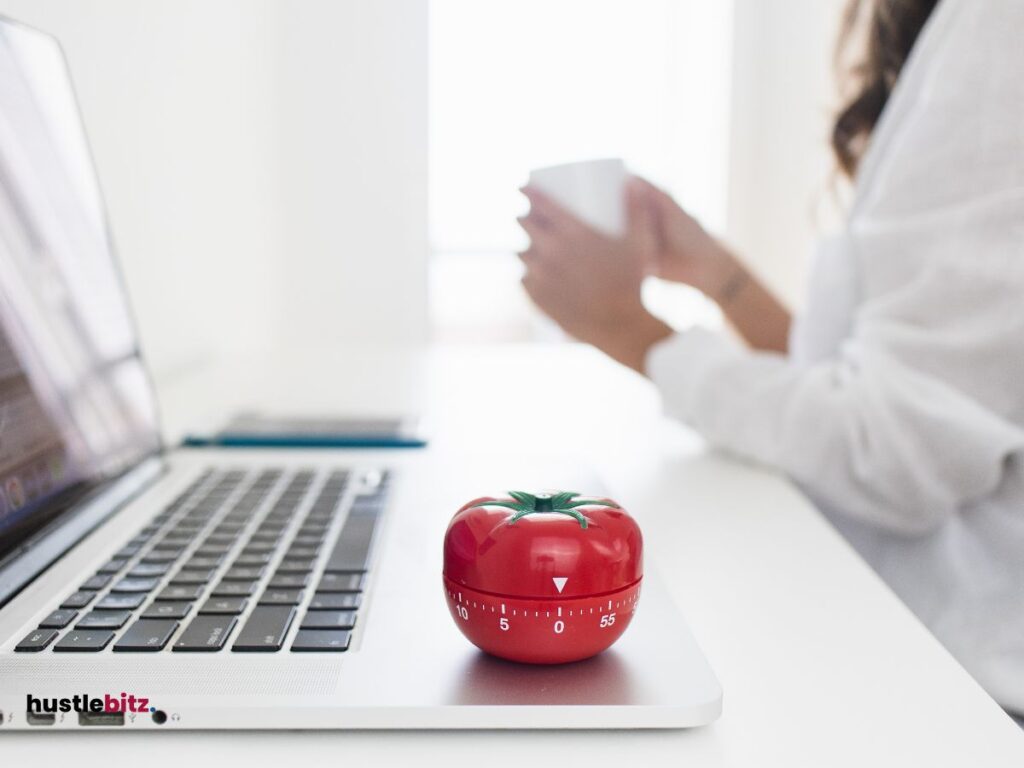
(885, 40)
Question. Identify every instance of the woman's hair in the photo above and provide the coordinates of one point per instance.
(892, 27)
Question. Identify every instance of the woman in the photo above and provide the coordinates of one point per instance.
(897, 401)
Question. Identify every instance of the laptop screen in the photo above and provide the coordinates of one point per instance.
(76, 406)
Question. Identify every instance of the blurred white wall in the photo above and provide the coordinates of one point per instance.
(264, 163)
(781, 193)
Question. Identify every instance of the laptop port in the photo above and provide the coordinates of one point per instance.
(101, 718)
(40, 718)
(159, 717)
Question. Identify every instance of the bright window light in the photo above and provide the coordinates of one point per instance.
(518, 84)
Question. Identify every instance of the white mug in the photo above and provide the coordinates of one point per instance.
(593, 190)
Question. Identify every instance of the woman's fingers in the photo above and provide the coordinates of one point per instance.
(553, 215)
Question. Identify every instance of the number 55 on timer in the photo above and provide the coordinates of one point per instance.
(545, 578)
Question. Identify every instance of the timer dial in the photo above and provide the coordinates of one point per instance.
(543, 579)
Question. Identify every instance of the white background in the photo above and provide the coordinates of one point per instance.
(265, 162)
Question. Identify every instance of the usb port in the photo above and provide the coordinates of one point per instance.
(40, 718)
(101, 718)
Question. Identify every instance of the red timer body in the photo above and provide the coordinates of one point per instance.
(542, 579)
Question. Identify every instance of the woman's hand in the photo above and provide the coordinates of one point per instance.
(588, 282)
(685, 252)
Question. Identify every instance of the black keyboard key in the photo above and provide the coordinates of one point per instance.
(224, 606)
(330, 640)
(351, 552)
(97, 582)
(148, 570)
(87, 640)
(104, 620)
(335, 601)
(167, 611)
(206, 634)
(234, 589)
(176, 592)
(253, 558)
(146, 635)
(135, 585)
(78, 600)
(58, 619)
(281, 597)
(297, 565)
(125, 601)
(329, 620)
(162, 556)
(204, 561)
(254, 547)
(128, 551)
(36, 640)
(309, 553)
(288, 581)
(341, 582)
(244, 573)
(114, 565)
(265, 629)
(188, 576)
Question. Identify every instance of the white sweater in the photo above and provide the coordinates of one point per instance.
(901, 408)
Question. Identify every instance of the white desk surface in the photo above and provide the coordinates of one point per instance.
(821, 665)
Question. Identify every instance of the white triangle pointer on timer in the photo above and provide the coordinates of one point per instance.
(559, 582)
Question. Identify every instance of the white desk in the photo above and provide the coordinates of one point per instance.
(820, 663)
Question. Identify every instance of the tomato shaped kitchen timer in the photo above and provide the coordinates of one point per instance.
(545, 578)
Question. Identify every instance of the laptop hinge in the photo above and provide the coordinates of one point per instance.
(46, 547)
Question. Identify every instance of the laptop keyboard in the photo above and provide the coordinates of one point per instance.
(232, 563)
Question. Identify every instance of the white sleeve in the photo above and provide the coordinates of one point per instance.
(919, 412)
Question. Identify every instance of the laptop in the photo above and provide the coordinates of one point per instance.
(147, 587)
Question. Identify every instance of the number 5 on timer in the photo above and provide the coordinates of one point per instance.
(543, 579)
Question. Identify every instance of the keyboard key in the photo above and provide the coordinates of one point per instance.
(281, 597)
(135, 585)
(288, 580)
(89, 640)
(78, 600)
(146, 635)
(167, 611)
(162, 556)
(335, 601)
(260, 546)
(147, 570)
(193, 577)
(265, 629)
(203, 562)
(303, 553)
(329, 620)
(234, 589)
(225, 606)
(104, 620)
(253, 558)
(244, 573)
(297, 565)
(351, 552)
(341, 582)
(99, 581)
(36, 640)
(206, 633)
(58, 619)
(114, 565)
(331, 640)
(117, 602)
(175, 592)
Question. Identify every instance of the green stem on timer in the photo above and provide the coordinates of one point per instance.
(562, 503)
